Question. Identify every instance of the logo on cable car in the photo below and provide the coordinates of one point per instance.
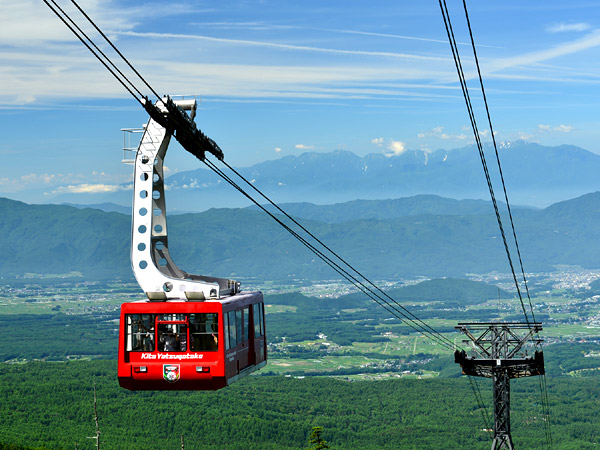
(171, 372)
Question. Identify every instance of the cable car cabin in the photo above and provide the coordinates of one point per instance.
(187, 345)
(194, 332)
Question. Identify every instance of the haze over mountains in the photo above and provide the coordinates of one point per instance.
(433, 237)
(535, 175)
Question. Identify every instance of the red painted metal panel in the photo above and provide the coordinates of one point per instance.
(153, 369)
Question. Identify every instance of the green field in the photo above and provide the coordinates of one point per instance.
(329, 352)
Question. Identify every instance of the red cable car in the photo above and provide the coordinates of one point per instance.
(191, 345)
(193, 332)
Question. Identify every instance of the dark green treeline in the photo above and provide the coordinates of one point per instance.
(51, 405)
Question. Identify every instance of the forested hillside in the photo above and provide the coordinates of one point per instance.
(52, 405)
(385, 209)
(245, 243)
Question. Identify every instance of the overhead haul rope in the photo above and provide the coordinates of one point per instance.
(115, 49)
(467, 98)
(338, 257)
(395, 309)
(462, 78)
(413, 322)
(542, 380)
(487, 110)
(453, 46)
(485, 415)
(106, 62)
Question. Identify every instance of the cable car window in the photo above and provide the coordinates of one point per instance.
(172, 317)
(239, 325)
(232, 330)
(204, 332)
(246, 323)
(259, 327)
(256, 313)
(226, 330)
(172, 337)
(140, 332)
(262, 319)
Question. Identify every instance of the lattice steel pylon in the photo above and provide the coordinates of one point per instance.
(501, 351)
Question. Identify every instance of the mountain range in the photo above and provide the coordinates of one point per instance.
(248, 244)
(536, 175)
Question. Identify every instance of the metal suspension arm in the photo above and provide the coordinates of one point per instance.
(155, 271)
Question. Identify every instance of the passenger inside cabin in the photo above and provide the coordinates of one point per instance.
(146, 327)
(212, 342)
(204, 332)
(182, 338)
(140, 332)
(169, 339)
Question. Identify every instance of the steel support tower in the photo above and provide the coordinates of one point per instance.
(501, 351)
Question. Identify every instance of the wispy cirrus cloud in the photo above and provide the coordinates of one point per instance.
(255, 25)
(29, 22)
(409, 38)
(567, 27)
(281, 46)
(589, 41)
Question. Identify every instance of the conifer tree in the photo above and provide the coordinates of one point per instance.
(315, 438)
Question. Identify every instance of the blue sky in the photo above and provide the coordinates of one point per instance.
(280, 78)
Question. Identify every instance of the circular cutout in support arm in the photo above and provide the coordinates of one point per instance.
(157, 274)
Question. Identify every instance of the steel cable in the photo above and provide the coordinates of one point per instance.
(408, 318)
(116, 49)
(470, 111)
(339, 258)
(462, 78)
(498, 161)
(83, 41)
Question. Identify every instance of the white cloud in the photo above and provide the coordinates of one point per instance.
(43, 62)
(73, 182)
(377, 141)
(410, 38)
(438, 132)
(42, 25)
(562, 27)
(589, 41)
(277, 149)
(89, 189)
(305, 147)
(31, 180)
(486, 133)
(276, 45)
(525, 136)
(560, 128)
(564, 128)
(244, 26)
(29, 22)
(396, 147)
